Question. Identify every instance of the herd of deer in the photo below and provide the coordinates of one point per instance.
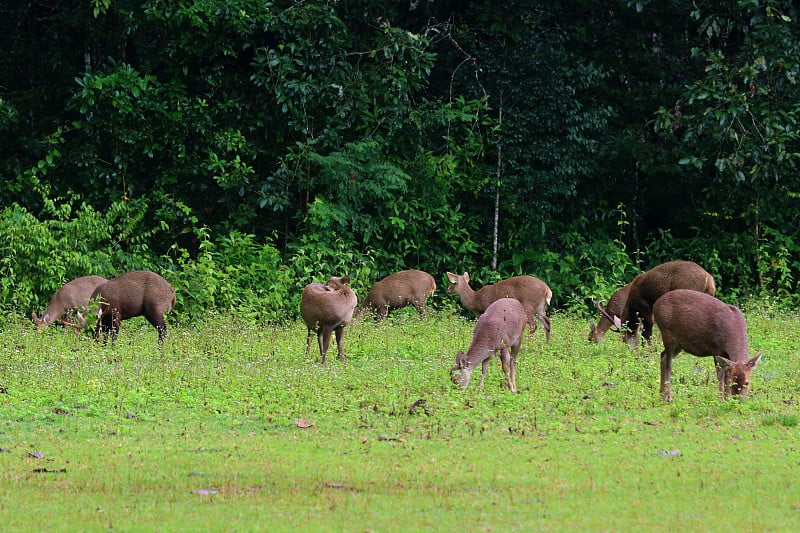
(677, 296)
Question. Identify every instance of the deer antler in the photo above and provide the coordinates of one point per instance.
(615, 321)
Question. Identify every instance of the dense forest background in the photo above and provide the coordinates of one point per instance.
(244, 148)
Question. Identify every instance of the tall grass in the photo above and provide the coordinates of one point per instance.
(232, 426)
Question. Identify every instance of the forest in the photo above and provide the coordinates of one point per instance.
(245, 148)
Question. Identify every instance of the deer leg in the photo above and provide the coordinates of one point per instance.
(324, 340)
(722, 377)
(484, 370)
(116, 321)
(383, 312)
(666, 375)
(647, 327)
(157, 320)
(545, 322)
(508, 370)
(340, 342)
(308, 340)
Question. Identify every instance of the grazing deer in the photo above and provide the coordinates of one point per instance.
(407, 287)
(615, 306)
(73, 295)
(137, 293)
(648, 287)
(327, 308)
(702, 325)
(498, 330)
(532, 293)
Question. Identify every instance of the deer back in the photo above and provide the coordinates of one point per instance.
(136, 293)
(407, 287)
(533, 293)
(502, 325)
(331, 303)
(701, 325)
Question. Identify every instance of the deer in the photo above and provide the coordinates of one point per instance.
(532, 293)
(498, 330)
(702, 325)
(607, 315)
(647, 287)
(137, 293)
(407, 287)
(327, 308)
(73, 295)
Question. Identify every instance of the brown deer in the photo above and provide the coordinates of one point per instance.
(702, 325)
(73, 295)
(607, 316)
(138, 293)
(648, 287)
(498, 330)
(532, 293)
(407, 287)
(327, 308)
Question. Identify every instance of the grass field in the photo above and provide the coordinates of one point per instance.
(232, 427)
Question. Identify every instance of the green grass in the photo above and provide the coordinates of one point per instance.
(232, 427)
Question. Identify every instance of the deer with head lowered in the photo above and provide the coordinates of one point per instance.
(407, 287)
(648, 287)
(532, 293)
(499, 330)
(326, 309)
(702, 325)
(138, 293)
(73, 295)
(608, 314)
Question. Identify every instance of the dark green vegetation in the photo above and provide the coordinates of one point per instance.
(232, 427)
(242, 148)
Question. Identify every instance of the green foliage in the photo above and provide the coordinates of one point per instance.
(38, 256)
(235, 274)
(331, 137)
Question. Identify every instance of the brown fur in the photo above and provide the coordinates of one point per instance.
(72, 295)
(137, 293)
(615, 306)
(532, 293)
(407, 287)
(326, 309)
(499, 330)
(648, 287)
(702, 325)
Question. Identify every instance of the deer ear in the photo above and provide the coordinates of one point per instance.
(752, 363)
(721, 361)
(451, 277)
(466, 276)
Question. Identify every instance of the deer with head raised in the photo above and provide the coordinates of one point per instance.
(498, 330)
(407, 287)
(704, 326)
(137, 293)
(532, 293)
(326, 309)
(648, 287)
(608, 314)
(73, 295)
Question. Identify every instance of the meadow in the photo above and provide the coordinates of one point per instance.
(232, 427)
